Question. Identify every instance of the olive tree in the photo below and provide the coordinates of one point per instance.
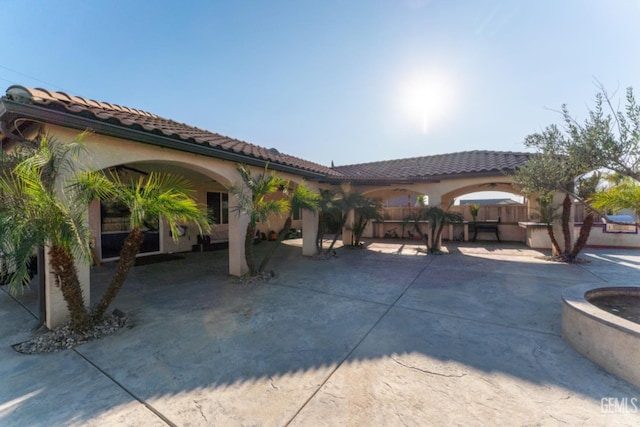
(608, 139)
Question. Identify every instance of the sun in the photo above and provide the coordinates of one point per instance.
(426, 98)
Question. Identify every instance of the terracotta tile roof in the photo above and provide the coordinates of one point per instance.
(426, 168)
(152, 124)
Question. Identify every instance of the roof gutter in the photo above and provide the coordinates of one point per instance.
(12, 110)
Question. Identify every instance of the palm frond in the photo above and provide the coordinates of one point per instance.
(625, 195)
(160, 195)
(303, 197)
(92, 185)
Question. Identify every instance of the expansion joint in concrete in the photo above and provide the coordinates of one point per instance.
(355, 347)
(126, 390)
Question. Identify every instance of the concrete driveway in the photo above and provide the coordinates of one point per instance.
(378, 336)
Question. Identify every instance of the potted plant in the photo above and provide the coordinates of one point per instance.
(474, 211)
(273, 235)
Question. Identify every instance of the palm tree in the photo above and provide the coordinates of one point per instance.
(254, 196)
(624, 195)
(342, 204)
(367, 210)
(301, 198)
(326, 215)
(437, 218)
(39, 210)
(148, 199)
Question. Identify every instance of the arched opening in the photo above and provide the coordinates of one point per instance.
(109, 221)
(489, 198)
(491, 211)
(399, 207)
(499, 199)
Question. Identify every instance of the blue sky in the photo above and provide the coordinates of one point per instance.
(348, 81)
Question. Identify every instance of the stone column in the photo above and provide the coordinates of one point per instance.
(309, 232)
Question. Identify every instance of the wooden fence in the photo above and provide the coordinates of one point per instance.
(506, 213)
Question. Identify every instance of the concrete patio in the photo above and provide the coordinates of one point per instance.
(378, 336)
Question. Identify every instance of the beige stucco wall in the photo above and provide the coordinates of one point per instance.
(536, 235)
(598, 237)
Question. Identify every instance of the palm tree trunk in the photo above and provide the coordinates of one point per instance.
(320, 233)
(566, 218)
(362, 224)
(554, 243)
(416, 225)
(335, 238)
(436, 238)
(276, 244)
(66, 276)
(248, 249)
(433, 245)
(128, 253)
(585, 230)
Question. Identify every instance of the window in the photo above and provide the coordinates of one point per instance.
(218, 207)
(115, 222)
(115, 217)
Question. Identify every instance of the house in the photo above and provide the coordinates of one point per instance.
(133, 142)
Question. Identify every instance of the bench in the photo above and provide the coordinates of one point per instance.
(485, 227)
(206, 243)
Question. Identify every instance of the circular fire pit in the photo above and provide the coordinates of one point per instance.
(609, 340)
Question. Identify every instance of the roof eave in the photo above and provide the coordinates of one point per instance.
(13, 110)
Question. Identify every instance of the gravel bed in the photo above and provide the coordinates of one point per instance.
(62, 338)
(265, 276)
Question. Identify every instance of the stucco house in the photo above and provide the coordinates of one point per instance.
(134, 142)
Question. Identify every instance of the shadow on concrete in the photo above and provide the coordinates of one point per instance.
(204, 347)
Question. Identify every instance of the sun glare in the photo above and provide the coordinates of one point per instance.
(426, 98)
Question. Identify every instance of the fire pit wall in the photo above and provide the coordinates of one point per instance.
(608, 340)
